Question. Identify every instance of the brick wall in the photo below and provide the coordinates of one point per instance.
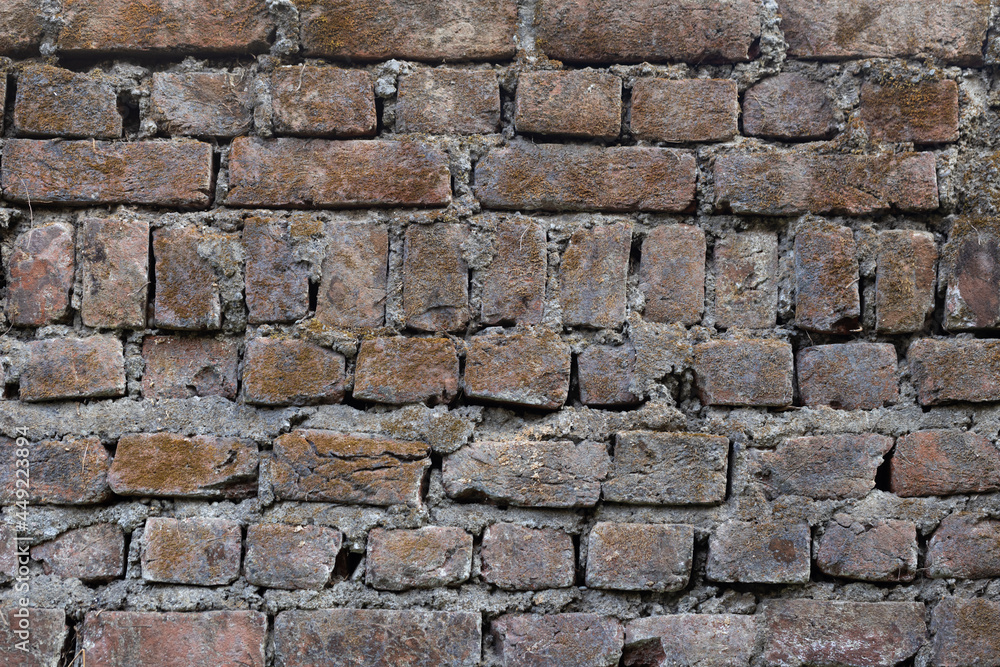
(545, 333)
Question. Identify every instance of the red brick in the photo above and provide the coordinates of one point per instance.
(593, 274)
(859, 376)
(291, 372)
(412, 30)
(435, 278)
(41, 270)
(790, 183)
(685, 110)
(722, 640)
(672, 274)
(924, 113)
(201, 104)
(639, 557)
(43, 633)
(788, 106)
(57, 102)
(406, 370)
(72, 471)
(377, 638)
(157, 173)
(352, 292)
(187, 292)
(536, 640)
(528, 368)
(514, 282)
(744, 372)
(277, 280)
(323, 102)
(852, 634)
(204, 639)
(763, 552)
(599, 31)
(946, 371)
(73, 368)
(970, 269)
(21, 25)
(185, 367)
(879, 550)
(448, 101)
(164, 26)
(578, 103)
(198, 551)
(953, 31)
(94, 553)
(508, 472)
(941, 463)
(115, 263)
(746, 280)
(169, 464)
(965, 632)
(605, 375)
(314, 173)
(965, 546)
(518, 558)
(586, 178)
(904, 280)
(291, 557)
(826, 279)
(333, 467)
(8, 554)
(427, 557)
(823, 466)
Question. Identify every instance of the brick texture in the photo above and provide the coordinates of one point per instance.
(187, 292)
(849, 377)
(789, 107)
(291, 372)
(945, 371)
(442, 101)
(22, 22)
(964, 632)
(57, 102)
(943, 462)
(114, 256)
(605, 376)
(639, 557)
(690, 639)
(46, 634)
(201, 104)
(764, 552)
(323, 102)
(519, 558)
(870, 550)
(672, 274)
(747, 372)
(580, 104)
(352, 292)
(746, 283)
(964, 547)
(924, 113)
(826, 279)
(424, 558)
(73, 368)
(291, 557)
(41, 270)
(904, 281)
(593, 274)
(202, 552)
(514, 282)
(182, 367)
(406, 370)
(71, 471)
(534, 640)
(435, 278)
(93, 554)
(529, 368)
(684, 111)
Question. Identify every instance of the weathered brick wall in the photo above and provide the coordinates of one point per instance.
(542, 333)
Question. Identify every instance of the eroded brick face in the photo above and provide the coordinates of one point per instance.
(200, 552)
(569, 104)
(639, 557)
(424, 558)
(519, 558)
(57, 102)
(579, 639)
(442, 101)
(115, 264)
(323, 102)
(41, 276)
(291, 557)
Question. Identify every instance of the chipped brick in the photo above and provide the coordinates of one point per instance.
(536, 640)
(277, 281)
(878, 550)
(185, 367)
(971, 270)
(406, 370)
(352, 292)
(519, 558)
(201, 104)
(95, 553)
(47, 635)
(21, 26)
(941, 463)
(292, 372)
(826, 279)
(71, 471)
(198, 551)
(861, 376)
(291, 557)
(716, 640)
(639, 557)
(964, 546)
(56, 102)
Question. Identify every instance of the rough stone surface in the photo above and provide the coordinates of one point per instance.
(41, 269)
(944, 462)
(9, 556)
(514, 282)
(672, 274)
(71, 471)
(924, 113)
(826, 279)
(448, 101)
(406, 370)
(183, 367)
(291, 557)
(536, 640)
(593, 274)
(198, 551)
(187, 291)
(746, 280)
(352, 292)
(22, 25)
(427, 557)
(879, 550)
(605, 376)
(789, 107)
(114, 257)
(277, 281)
(435, 278)
(323, 101)
(530, 368)
(904, 280)
(95, 553)
(945, 371)
(519, 558)
(744, 372)
(579, 104)
(970, 269)
(850, 377)
(73, 368)
(965, 546)
(57, 102)
(687, 640)
(47, 634)
(291, 372)
(685, 110)
(965, 632)
(639, 557)
(201, 104)
(759, 552)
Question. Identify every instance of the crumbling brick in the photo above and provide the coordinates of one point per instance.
(93, 554)
(639, 557)
(427, 557)
(519, 558)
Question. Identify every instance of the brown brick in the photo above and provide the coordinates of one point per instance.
(352, 292)
(187, 292)
(184, 367)
(157, 173)
(164, 26)
(668, 469)
(427, 557)
(536, 640)
(527, 368)
(35, 640)
(314, 173)
(965, 546)
(706, 640)
(605, 375)
(852, 634)
(554, 177)
(946, 371)
(291, 557)
(790, 183)
(169, 464)
(508, 472)
(686, 110)
(826, 279)
(598, 31)
(592, 276)
(377, 638)
(323, 102)
(904, 280)
(333, 467)
(435, 278)
(878, 550)
(151, 639)
(578, 103)
(924, 113)
(115, 262)
(970, 269)
(21, 25)
(953, 31)
(72, 471)
(746, 280)
(201, 104)
(448, 101)
(672, 274)
(9, 556)
(941, 463)
(965, 632)
(406, 370)
(291, 372)
(788, 106)
(198, 551)
(277, 281)
(639, 557)
(514, 282)
(94, 553)
(859, 376)
(73, 368)
(57, 102)
(823, 466)
(744, 372)
(764, 552)
(518, 558)
(41, 275)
